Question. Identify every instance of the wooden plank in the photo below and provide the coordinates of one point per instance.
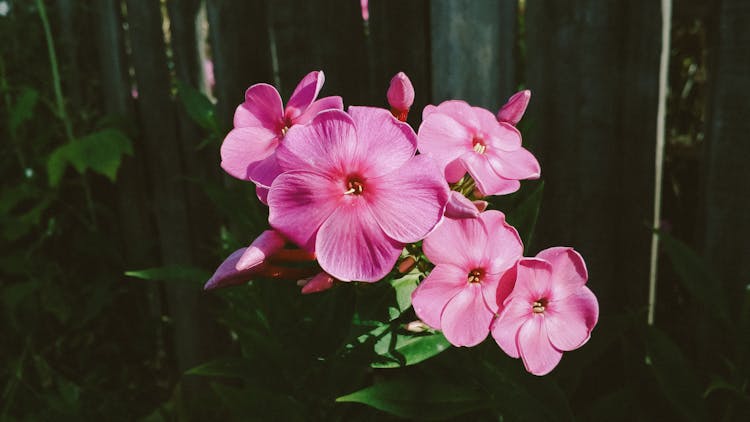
(728, 191)
(163, 155)
(473, 45)
(593, 71)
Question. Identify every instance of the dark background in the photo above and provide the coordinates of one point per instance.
(142, 189)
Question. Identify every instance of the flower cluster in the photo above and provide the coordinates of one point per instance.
(347, 191)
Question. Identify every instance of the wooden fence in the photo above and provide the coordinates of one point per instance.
(592, 65)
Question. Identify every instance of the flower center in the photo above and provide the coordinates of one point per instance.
(539, 306)
(354, 186)
(475, 276)
(284, 130)
(479, 146)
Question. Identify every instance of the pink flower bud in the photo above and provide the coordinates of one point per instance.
(320, 282)
(407, 264)
(365, 5)
(400, 95)
(481, 205)
(268, 243)
(513, 110)
(460, 207)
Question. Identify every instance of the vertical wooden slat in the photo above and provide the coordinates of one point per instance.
(241, 55)
(473, 44)
(728, 191)
(593, 68)
(163, 154)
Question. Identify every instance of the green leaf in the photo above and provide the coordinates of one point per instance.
(675, 375)
(420, 398)
(400, 350)
(100, 151)
(198, 106)
(524, 216)
(696, 277)
(228, 367)
(171, 273)
(23, 109)
(404, 287)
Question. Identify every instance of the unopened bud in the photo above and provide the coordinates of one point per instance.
(400, 96)
(514, 109)
(460, 207)
(417, 327)
(407, 264)
(481, 205)
(320, 282)
(265, 245)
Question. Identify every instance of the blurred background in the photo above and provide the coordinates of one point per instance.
(114, 210)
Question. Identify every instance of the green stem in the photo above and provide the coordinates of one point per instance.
(59, 101)
(62, 113)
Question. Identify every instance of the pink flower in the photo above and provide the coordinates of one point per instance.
(400, 96)
(353, 191)
(548, 312)
(471, 256)
(365, 6)
(513, 110)
(260, 123)
(462, 138)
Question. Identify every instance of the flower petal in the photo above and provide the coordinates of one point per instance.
(503, 136)
(532, 280)
(466, 319)
(568, 270)
(299, 203)
(457, 242)
(538, 354)
(432, 294)
(265, 245)
(326, 145)
(384, 144)
(487, 180)
(518, 165)
(262, 108)
(462, 112)
(227, 273)
(264, 172)
(351, 246)
(304, 94)
(410, 201)
(504, 245)
(244, 146)
(326, 103)
(506, 326)
(443, 137)
(570, 321)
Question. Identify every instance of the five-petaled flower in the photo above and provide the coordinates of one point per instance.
(260, 124)
(463, 138)
(548, 312)
(353, 192)
(472, 257)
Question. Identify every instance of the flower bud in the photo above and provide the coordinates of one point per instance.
(268, 243)
(365, 5)
(417, 327)
(407, 264)
(460, 207)
(320, 282)
(513, 110)
(400, 95)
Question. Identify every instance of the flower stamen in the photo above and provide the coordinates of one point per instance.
(355, 187)
(539, 306)
(479, 146)
(475, 276)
